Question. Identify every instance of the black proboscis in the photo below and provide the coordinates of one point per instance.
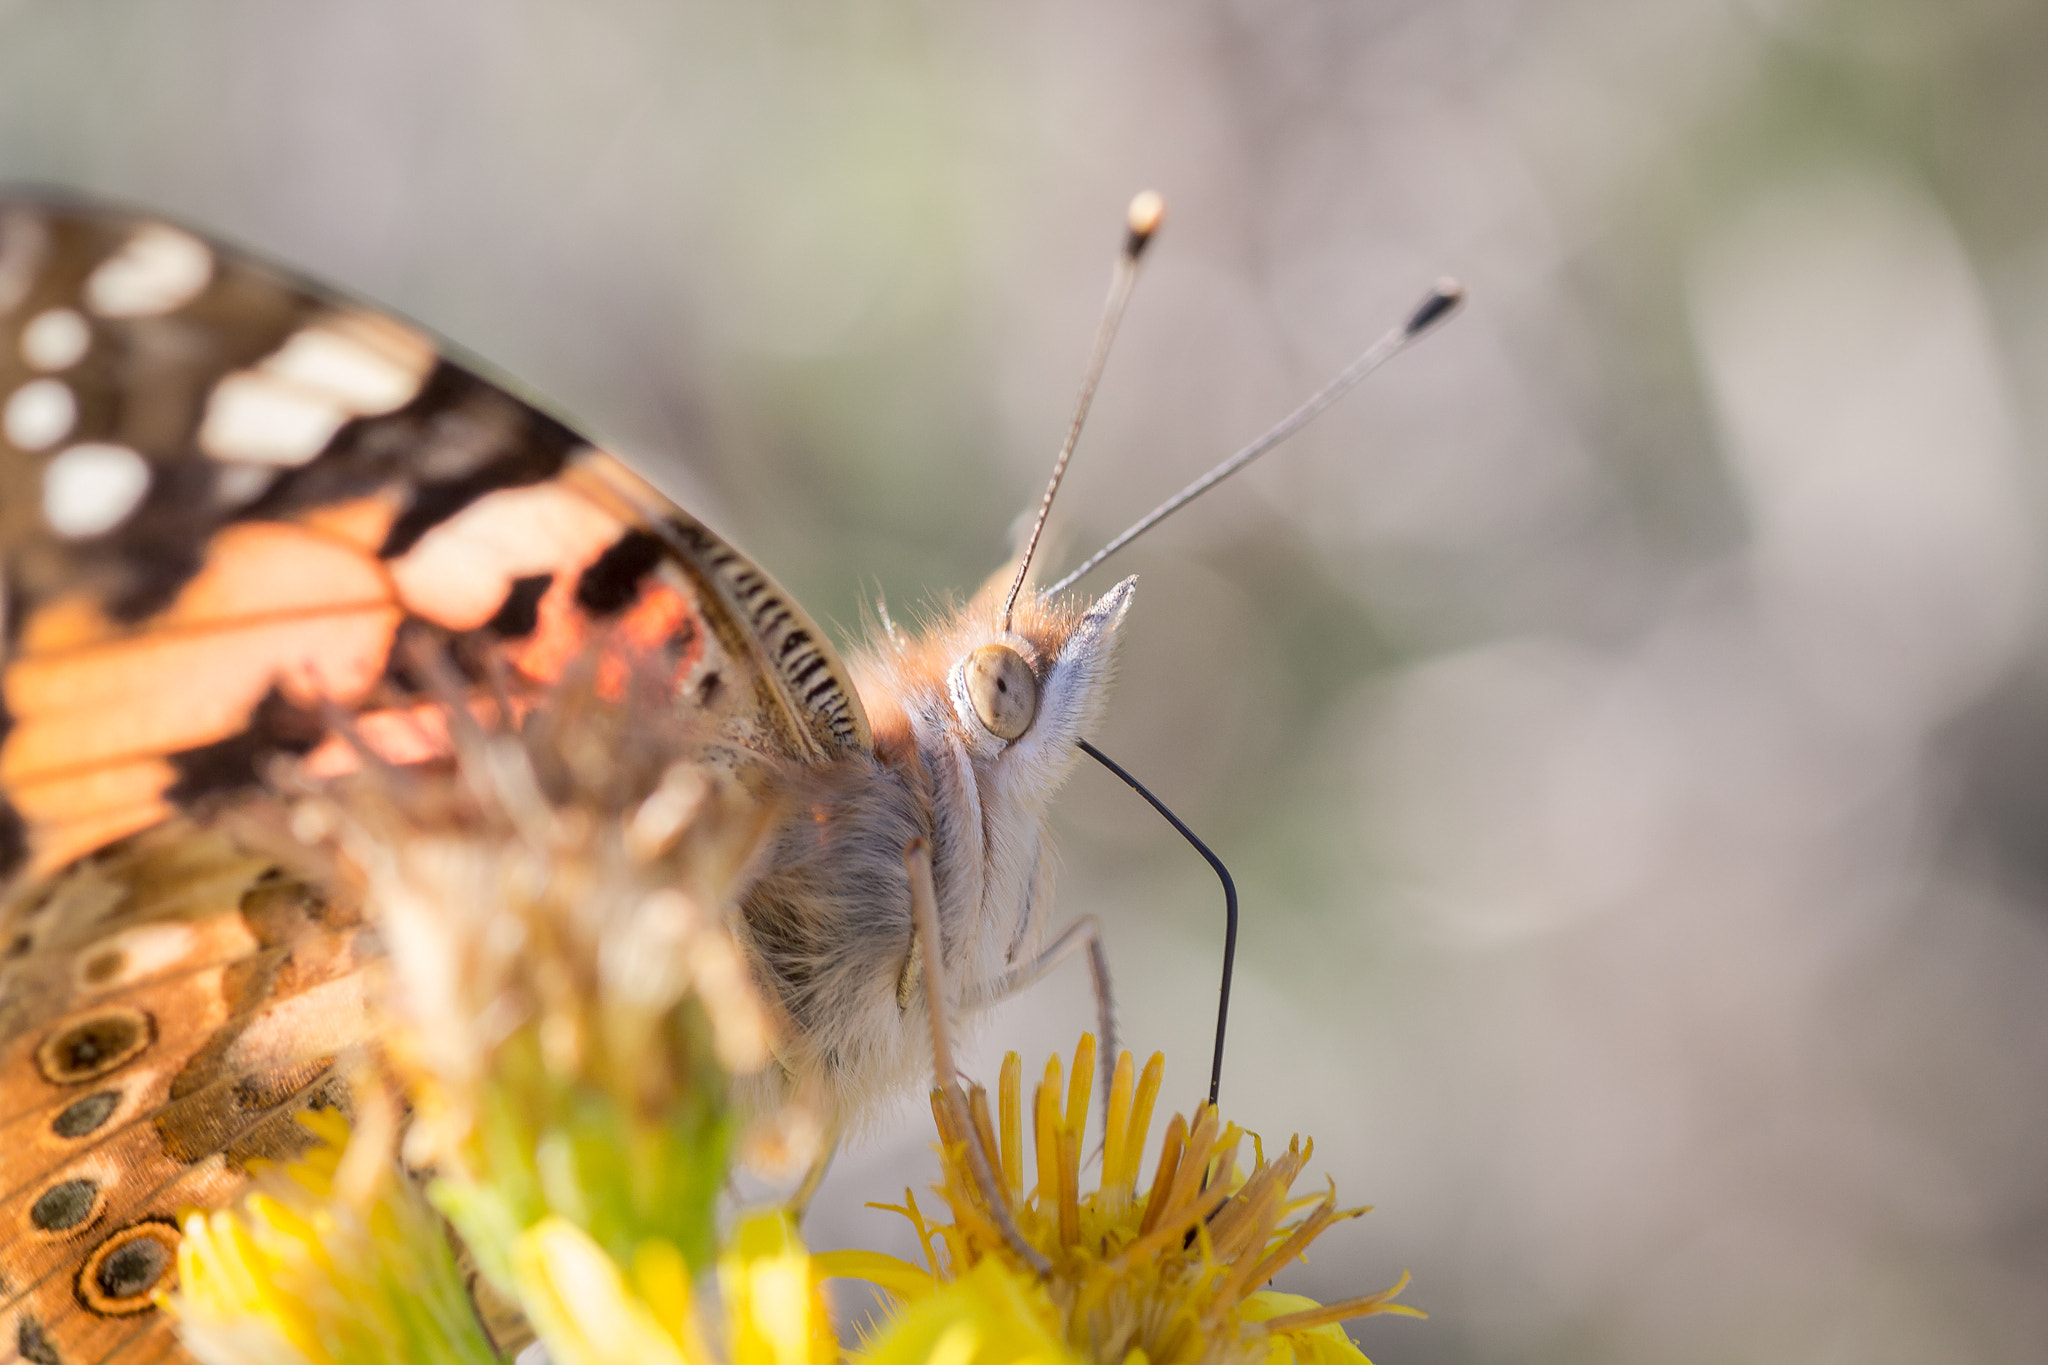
(1229, 906)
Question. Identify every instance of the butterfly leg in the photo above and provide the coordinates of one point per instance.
(814, 1174)
(1083, 933)
(924, 910)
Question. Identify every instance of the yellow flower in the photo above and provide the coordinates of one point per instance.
(589, 1311)
(1170, 1275)
(297, 1276)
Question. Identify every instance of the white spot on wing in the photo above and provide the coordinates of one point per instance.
(39, 414)
(255, 418)
(369, 364)
(159, 269)
(286, 409)
(55, 339)
(134, 955)
(92, 487)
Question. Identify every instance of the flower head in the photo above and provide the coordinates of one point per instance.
(303, 1272)
(561, 995)
(1173, 1269)
(295, 1275)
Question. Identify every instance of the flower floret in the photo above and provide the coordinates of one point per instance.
(1175, 1274)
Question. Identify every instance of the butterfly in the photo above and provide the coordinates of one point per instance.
(234, 507)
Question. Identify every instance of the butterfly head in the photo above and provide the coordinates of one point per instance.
(975, 726)
(1015, 700)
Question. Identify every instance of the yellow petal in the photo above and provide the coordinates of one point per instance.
(771, 1309)
(956, 1345)
(579, 1302)
(899, 1277)
(663, 1278)
(1324, 1345)
(989, 1316)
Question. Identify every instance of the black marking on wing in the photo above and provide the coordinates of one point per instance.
(81, 1117)
(156, 543)
(65, 1205)
(125, 1270)
(13, 839)
(517, 445)
(459, 438)
(613, 579)
(32, 1343)
(788, 643)
(13, 829)
(276, 726)
(521, 610)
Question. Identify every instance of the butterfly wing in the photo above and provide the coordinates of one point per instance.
(227, 501)
(226, 497)
(168, 1007)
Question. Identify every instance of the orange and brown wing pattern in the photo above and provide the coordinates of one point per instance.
(226, 497)
(167, 1006)
(228, 503)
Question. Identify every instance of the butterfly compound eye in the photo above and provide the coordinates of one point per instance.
(1003, 690)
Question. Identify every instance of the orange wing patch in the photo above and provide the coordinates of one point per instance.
(660, 616)
(98, 708)
(459, 573)
(284, 619)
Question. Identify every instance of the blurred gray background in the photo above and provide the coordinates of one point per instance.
(1627, 719)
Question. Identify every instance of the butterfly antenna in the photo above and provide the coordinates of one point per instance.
(1229, 907)
(1141, 222)
(1441, 301)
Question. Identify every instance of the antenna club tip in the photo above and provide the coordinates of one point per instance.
(1147, 212)
(1443, 299)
